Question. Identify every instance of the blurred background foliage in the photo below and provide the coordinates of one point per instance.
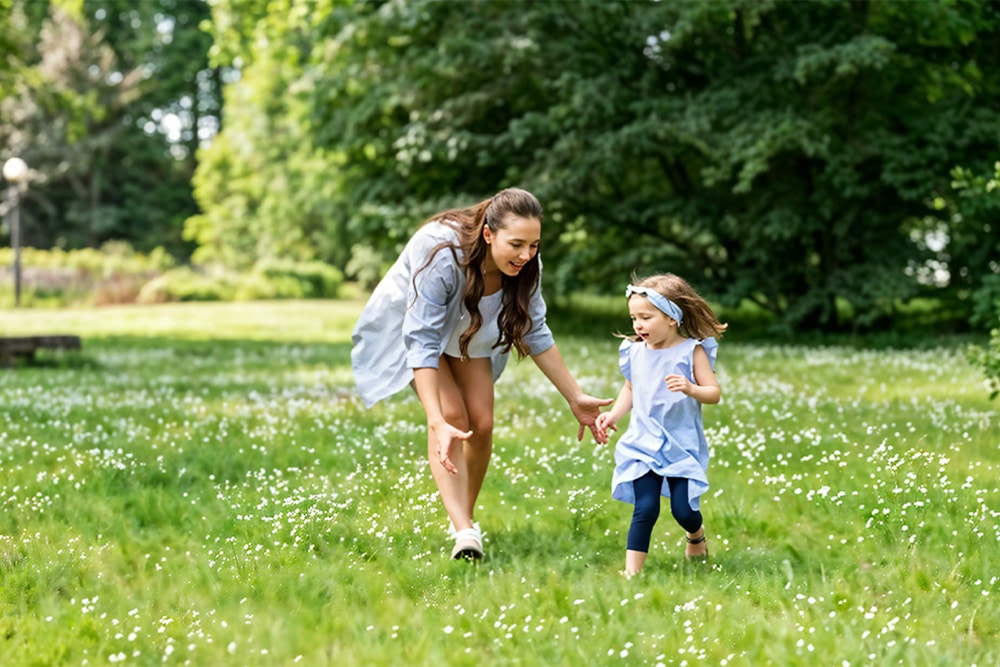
(829, 163)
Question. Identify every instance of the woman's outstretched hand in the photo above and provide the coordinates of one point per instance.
(586, 409)
(447, 437)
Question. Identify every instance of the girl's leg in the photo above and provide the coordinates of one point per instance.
(474, 383)
(697, 546)
(647, 510)
(634, 560)
(689, 519)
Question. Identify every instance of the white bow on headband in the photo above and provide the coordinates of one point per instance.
(668, 307)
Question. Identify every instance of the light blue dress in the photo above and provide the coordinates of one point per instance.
(665, 432)
(412, 314)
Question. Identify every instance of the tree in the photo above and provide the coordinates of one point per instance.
(978, 205)
(8, 50)
(90, 112)
(785, 153)
(264, 188)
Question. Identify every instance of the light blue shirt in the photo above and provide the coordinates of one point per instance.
(412, 313)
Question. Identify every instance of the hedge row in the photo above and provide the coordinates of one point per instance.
(118, 274)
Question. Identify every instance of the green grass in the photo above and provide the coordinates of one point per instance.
(201, 486)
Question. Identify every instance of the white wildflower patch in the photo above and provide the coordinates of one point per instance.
(236, 505)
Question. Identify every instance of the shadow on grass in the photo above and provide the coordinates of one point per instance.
(57, 359)
(109, 352)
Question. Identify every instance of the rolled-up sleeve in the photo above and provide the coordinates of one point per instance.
(539, 338)
(430, 295)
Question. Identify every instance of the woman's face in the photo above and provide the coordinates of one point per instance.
(512, 246)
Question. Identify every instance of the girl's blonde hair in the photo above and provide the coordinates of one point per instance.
(699, 321)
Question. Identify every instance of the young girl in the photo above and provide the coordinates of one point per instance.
(464, 292)
(669, 372)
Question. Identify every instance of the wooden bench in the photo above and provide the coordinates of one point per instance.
(26, 346)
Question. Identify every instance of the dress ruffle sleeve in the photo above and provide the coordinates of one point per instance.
(625, 358)
(711, 347)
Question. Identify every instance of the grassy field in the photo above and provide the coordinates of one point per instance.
(202, 487)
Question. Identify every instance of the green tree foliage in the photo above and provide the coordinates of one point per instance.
(8, 51)
(265, 189)
(973, 248)
(980, 202)
(107, 111)
(782, 152)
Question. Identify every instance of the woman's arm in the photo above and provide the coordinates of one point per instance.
(432, 292)
(585, 408)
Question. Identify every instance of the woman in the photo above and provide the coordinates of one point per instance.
(464, 292)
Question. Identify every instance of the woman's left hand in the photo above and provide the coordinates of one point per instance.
(585, 409)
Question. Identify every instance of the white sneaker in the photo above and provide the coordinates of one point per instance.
(475, 525)
(468, 544)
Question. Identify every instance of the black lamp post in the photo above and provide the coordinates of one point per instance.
(15, 172)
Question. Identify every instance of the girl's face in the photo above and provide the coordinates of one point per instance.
(513, 246)
(650, 323)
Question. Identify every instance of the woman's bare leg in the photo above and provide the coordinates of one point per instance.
(453, 489)
(467, 403)
(474, 381)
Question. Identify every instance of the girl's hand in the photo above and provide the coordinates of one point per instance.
(679, 383)
(447, 437)
(603, 426)
(587, 409)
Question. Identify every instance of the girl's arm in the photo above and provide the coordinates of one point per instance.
(705, 388)
(425, 381)
(585, 408)
(606, 420)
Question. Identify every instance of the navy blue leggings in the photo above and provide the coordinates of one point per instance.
(647, 508)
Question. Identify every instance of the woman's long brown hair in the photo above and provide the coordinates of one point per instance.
(514, 320)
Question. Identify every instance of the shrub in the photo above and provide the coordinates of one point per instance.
(296, 280)
(256, 286)
(989, 359)
(118, 274)
(366, 266)
(113, 274)
(186, 284)
(986, 313)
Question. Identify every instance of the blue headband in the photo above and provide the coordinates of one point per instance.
(669, 308)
